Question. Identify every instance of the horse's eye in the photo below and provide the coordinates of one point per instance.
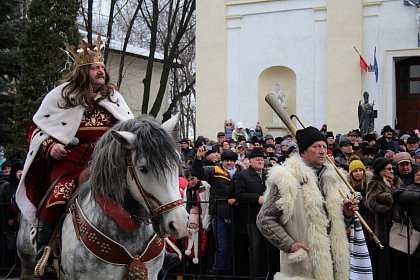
(143, 169)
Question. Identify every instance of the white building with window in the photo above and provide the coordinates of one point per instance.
(306, 48)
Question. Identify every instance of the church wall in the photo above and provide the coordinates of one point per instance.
(344, 21)
(283, 37)
(211, 101)
(315, 40)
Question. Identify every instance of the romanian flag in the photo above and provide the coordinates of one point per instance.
(363, 63)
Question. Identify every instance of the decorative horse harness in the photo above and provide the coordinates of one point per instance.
(111, 251)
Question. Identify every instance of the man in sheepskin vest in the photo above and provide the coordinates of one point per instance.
(304, 216)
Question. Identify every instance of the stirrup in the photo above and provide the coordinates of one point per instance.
(40, 266)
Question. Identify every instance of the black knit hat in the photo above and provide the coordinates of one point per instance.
(256, 152)
(380, 163)
(229, 155)
(307, 136)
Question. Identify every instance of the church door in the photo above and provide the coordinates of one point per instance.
(408, 93)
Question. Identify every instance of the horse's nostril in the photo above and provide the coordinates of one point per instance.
(172, 227)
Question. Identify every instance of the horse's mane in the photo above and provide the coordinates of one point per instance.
(109, 166)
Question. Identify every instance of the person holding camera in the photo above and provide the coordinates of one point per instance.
(222, 199)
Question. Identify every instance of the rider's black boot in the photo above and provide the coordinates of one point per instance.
(45, 231)
(170, 260)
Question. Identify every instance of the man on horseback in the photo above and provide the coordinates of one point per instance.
(61, 140)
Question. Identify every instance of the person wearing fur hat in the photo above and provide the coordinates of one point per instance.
(380, 202)
(303, 214)
(331, 144)
(221, 202)
(249, 189)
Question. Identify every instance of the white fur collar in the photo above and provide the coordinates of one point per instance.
(62, 124)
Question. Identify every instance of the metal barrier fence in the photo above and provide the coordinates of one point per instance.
(9, 261)
(244, 258)
(241, 257)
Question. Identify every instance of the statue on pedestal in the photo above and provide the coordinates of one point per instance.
(366, 115)
(283, 100)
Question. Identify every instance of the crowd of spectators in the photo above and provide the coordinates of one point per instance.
(382, 167)
(10, 172)
(226, 181)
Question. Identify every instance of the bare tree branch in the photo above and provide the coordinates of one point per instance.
(152, 48)
(109, 29)
(127, 38)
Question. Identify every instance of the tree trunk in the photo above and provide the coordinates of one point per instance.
(147, 81)
(109, 29)
(171, 50)
(89, 24)
(127, 38)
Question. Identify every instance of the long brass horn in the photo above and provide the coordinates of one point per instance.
(277, 107)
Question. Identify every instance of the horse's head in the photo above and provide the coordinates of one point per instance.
(152, 165)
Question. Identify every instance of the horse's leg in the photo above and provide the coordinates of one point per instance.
(26, 250)
(155, 266)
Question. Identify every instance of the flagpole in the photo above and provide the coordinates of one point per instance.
(356, 51)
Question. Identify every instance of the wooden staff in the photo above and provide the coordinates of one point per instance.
(277, 107)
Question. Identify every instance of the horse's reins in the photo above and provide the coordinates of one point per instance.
(148, 197)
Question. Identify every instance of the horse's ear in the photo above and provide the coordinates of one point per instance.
(170, 124)
(127, 139)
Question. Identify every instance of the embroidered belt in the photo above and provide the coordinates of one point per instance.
(111, 251)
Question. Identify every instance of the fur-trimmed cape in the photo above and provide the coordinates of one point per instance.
(62, 125)
(307, 210)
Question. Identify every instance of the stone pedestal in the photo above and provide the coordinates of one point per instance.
(277, 130)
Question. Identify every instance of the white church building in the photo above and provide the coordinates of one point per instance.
(305, 52)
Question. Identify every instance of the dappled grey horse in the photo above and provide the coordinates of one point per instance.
(117, 218)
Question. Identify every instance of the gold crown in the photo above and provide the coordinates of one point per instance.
(83, 54)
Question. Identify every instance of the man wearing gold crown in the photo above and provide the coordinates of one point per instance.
(61, 140)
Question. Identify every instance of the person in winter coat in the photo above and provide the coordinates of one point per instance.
(359, 179)
(221, 200)
(404, 164)
(379, 200)
(408, 198)
(387, 141)
(249, 188)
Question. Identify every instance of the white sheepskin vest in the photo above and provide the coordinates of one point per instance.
(306, 221)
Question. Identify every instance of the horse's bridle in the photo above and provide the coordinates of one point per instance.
(148, 197)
